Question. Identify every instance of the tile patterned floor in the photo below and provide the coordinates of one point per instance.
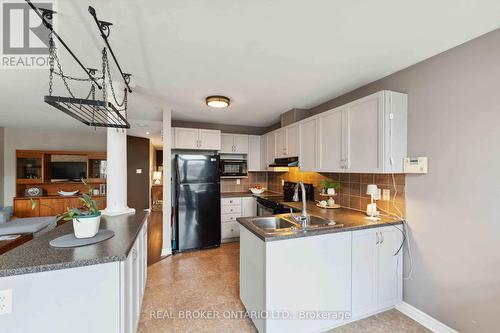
(181, 285)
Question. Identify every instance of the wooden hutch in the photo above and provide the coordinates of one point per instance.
(34, 169)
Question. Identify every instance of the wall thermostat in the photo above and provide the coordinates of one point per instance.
(415, 165)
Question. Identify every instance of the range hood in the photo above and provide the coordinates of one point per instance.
(282, 164)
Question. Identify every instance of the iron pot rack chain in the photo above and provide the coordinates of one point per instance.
(46, 16)
(105, 31)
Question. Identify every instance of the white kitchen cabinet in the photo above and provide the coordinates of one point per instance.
(292, 140)
(377, 272)
(300, 274)
(185, 138)
(308, 144)
(234, 144)
(287, 141)
(248, 206)
(376, 132)
(209, 139)
(231, 209)
(331, 140)
(226, 143)
(271, 147)
(263, 153)
(390, 268)
(196, 139)
(280, 143)
(254, 153)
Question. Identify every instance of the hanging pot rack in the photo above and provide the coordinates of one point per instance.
(104, 29)
(91, 112)
(45, 16)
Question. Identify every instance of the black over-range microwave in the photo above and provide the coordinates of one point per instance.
(233, 168)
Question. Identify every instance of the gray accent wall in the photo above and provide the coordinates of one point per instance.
(235, 129)
(453, 211)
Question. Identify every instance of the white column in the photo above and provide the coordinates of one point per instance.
(116, 179)
(167, 182)
(116, 194)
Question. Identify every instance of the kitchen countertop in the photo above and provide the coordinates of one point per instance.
(56, 196)
(247, 194)
(38, 256)
(348, 218)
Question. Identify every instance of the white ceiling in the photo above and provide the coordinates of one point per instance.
(268, 56)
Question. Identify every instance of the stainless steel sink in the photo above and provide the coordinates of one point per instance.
(316, 221)
(273, 224)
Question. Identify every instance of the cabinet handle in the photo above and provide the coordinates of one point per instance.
(383, 238)
(378, 239)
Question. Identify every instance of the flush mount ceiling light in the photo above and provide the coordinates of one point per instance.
(218, 102)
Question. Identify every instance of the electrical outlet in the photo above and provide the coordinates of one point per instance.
(238, 181)
(386, 195)
(5, 301)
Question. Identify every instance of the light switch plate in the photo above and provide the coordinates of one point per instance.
(238, 181)
(138, 171)
(5, 301)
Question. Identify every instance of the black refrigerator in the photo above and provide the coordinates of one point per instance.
(196, 194)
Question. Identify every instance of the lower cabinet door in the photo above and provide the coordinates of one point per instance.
(390, 267)
(364, 272)
(128, 295)
(230, 230)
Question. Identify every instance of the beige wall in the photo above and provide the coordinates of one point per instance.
(454, 119)
(19, 138)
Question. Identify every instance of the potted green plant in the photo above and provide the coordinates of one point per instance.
(329, 187)
(86, 218)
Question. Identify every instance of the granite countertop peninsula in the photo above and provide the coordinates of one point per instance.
(38, 256)
(345, 219)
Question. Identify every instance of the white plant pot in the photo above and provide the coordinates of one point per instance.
(86, 226)
(330, 191)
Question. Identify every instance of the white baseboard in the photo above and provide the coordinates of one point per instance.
(424, 319)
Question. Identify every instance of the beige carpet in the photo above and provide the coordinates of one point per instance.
(208, 280)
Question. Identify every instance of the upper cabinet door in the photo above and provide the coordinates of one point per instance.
(280, 143)
(292, 140)
(240, 144)
(186, 138)
(365, 141)
(226, 143)
(308, 144)
(331, 140)
(253, 160)
(263, 153)
(271, 148)
(209, 139)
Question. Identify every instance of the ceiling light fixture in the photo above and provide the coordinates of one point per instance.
(147, 133)
(218, 102)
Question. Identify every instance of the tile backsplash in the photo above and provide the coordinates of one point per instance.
(254, 178)
(352, 193)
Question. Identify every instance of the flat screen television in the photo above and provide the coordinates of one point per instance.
(68, 170)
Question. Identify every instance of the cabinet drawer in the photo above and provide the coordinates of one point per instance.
(230, 230)
(230, 201)
(231, 209)
(229, 217)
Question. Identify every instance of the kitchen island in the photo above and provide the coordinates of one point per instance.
(93, 288)
(315, 279)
